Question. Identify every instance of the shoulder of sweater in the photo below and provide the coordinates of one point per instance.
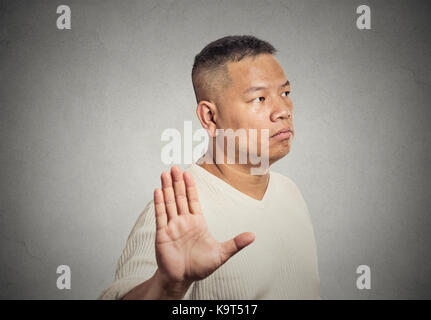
(148, 209)
(146, 217)
(285, 180)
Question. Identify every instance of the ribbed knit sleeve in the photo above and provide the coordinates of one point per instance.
(137, 262)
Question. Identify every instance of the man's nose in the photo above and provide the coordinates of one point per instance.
(281, 109)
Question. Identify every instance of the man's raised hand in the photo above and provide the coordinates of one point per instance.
(185, 250)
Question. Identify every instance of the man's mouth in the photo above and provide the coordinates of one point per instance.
(282, 134)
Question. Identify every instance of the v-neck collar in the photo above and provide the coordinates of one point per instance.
(224, 185)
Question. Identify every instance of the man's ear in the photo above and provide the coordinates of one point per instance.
(207, 115)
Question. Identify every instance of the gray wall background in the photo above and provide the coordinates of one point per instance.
(82, 112)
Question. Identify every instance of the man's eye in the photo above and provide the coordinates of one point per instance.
(259, 98)
(286, 92)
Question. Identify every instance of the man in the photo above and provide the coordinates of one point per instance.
(179, 248)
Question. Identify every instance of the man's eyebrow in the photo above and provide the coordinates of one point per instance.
(252, 89)
(287, 83)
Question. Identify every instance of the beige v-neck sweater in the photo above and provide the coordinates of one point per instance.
(280, 264)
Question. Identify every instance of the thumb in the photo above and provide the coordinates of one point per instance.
(232, 246)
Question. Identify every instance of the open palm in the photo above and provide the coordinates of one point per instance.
(185, 250)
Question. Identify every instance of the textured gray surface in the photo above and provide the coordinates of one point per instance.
(82, 113)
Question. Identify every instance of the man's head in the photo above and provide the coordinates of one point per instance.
(210, 73)
(238, 83)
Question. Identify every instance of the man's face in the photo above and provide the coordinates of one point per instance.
(258, 98)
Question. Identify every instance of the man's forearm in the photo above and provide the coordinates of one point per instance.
(156, 288)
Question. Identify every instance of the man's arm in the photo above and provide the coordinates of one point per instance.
(156, 288)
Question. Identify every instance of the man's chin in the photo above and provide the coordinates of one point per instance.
(278, 155)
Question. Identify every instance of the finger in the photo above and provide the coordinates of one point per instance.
(232, 246)
(180, 190)
(159, 204)
(168, 195)
(192, 194)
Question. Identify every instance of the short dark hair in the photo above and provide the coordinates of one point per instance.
(210, 64)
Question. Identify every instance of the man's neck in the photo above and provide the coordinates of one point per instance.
(239, 177)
